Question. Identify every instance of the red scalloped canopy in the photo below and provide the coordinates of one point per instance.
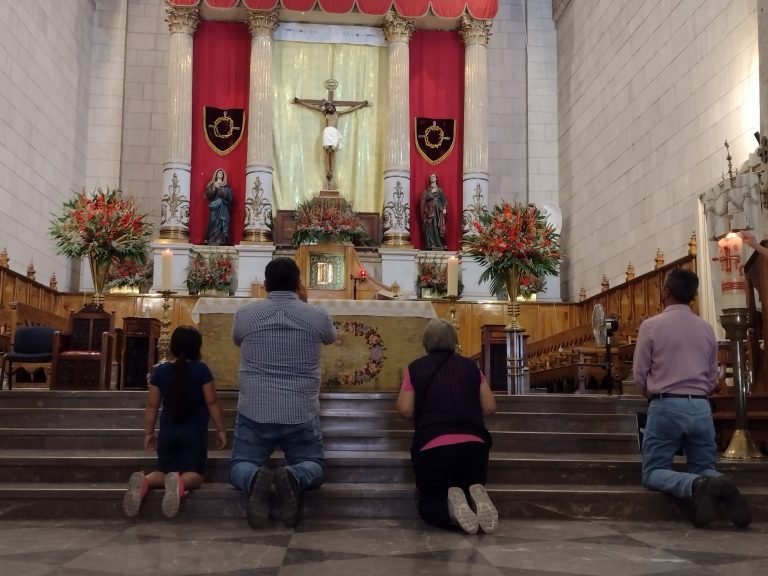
(481, 9)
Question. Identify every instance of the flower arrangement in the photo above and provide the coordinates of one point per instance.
(433, 275)
(102, 225)
(127, 273)
(531, 285)
(210, 272)
(513, 237)
(327, 219)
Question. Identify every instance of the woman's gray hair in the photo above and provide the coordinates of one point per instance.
(439, 335)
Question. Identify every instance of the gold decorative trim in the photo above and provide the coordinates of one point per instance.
(174, 233)
(224, 119)
(397, 28)
(399, 240)
(474, 31)
(261, 22)
(257, 237)
(181, 19)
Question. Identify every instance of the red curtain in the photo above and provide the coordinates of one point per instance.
(437, 91)
(483, 9)
(220, 78)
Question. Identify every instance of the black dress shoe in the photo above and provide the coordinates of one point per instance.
(736, 507)
(706, 497)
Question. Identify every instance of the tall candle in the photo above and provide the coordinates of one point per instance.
(453, 276)
(732, 282)
(167, 268)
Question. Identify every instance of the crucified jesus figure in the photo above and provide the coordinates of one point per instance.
(331, 134)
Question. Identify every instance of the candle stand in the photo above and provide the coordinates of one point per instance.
(164, 341)
(452, 319)
(735, 321)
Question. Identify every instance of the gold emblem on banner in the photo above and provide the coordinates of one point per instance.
(223, 128)
(435, 138)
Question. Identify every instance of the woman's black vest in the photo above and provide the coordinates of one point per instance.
(447, 398)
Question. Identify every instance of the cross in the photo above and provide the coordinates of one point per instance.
(331, 135)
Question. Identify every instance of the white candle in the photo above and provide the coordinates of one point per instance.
(167, 268)
(453, 276)
(732, 282)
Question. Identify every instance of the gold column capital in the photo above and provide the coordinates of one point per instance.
(181, 19)
(474, 31)
(262, 22)
(397, 28)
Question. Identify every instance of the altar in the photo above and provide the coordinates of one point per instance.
(376, 341)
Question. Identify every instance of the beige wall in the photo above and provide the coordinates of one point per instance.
(647, 94)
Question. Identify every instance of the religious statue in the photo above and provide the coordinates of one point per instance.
(433, 210)
(331, 134)
(219, 196)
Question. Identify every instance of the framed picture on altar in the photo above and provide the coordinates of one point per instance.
(327, 271)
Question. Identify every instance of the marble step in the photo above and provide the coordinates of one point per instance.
(103, 418)
(365, 401)
(28, 500)
(361, 467)
(64, 439)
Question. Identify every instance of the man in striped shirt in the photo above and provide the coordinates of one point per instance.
(280, 339)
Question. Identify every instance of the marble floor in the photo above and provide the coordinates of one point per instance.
(377, 548)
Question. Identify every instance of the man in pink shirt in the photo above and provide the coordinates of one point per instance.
(675, 366)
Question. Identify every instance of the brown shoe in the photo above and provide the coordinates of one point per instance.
(705, 493)
(288, 493)
(736, 507)
(257, 509)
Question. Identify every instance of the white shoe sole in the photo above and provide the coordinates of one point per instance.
(460, 512)
(487, 515)
(171, 498)
(132, 498)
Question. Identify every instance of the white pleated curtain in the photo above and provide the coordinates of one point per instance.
(300, 69)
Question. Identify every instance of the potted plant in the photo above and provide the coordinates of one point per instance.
(210, 274)
(320, 219)
(103, 226)
(531, 285)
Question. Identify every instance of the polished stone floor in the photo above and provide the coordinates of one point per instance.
(377, 548)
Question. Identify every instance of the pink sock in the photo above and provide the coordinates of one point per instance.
(182, 492)
(144, 488)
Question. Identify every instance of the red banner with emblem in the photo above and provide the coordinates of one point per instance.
(220, 79)
(437, 92)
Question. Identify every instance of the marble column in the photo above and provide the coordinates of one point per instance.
(475, 34)
(259, 164)
(177, 168)
(397, 167)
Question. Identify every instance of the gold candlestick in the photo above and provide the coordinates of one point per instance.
(452, 319)
(164, 341)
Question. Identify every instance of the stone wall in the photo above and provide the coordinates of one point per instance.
(648, 92)
(45, 50)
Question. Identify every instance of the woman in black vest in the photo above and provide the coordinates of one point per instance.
(447, 397)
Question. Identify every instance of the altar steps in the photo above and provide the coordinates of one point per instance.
(69, 454)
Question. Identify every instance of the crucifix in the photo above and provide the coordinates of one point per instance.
(331, 135)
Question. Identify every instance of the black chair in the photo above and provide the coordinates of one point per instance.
(31, 345)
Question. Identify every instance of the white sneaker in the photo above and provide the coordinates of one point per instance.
(460, 512)
(487, 515)
(172, 497)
